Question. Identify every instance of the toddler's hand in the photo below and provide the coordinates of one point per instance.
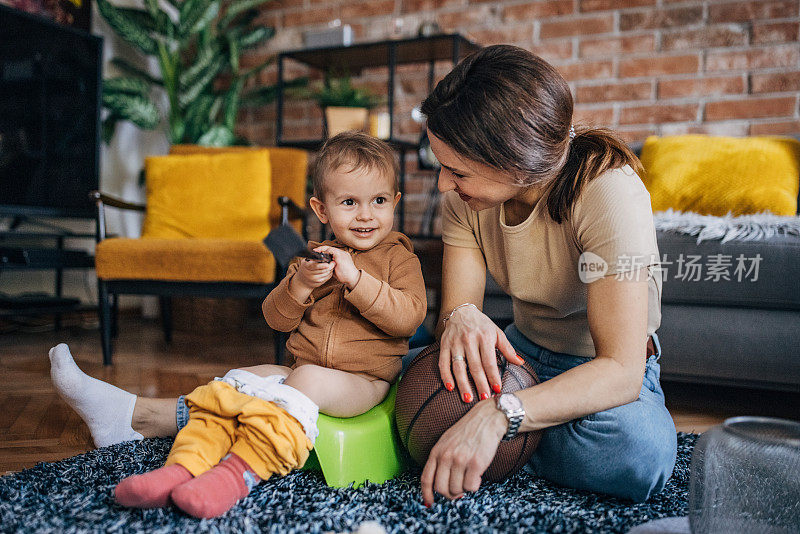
(344, 268)
(312, 274)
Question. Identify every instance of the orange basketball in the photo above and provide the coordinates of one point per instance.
(424, 410)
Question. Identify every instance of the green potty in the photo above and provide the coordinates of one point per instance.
(353, 450)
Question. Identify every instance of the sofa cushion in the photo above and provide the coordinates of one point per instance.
(185, 260)
(717, 175)
(761, 274)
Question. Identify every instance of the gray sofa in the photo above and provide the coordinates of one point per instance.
(730, 331)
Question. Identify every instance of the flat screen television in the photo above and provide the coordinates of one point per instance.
(50, 91)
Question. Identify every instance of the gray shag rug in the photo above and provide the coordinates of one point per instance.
(76, 495)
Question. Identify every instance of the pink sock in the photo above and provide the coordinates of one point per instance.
(151, 490)
(216, 491)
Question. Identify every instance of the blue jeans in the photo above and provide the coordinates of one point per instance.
(628, 451)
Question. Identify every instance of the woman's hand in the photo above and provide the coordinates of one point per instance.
(468, 343)
(344, 269)
(463, 453)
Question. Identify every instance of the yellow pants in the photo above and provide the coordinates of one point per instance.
(223, 420)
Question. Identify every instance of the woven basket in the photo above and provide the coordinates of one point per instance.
(208, 315)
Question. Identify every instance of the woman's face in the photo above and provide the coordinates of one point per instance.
(479, 185)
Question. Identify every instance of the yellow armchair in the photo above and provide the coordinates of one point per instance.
(208, 211)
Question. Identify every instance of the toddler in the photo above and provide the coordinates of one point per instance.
(350, 320)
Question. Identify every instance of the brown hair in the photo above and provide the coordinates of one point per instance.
(507, 108)
(354, 150)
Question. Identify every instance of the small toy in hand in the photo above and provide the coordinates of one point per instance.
(319, 257)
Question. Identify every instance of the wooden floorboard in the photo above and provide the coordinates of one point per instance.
(37, 426)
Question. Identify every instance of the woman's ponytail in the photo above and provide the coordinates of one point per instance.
(591, 152)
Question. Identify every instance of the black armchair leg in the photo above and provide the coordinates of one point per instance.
(114, 316)
(166, 318)
(105, 321)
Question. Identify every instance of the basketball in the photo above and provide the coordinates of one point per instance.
(424, 410)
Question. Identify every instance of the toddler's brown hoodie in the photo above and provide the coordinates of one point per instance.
(362, 331)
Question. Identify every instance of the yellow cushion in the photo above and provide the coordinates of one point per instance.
(717, 175)
(187, 260)
(289, 170)
(225, 195)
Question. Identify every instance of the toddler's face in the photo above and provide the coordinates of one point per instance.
(358, 205)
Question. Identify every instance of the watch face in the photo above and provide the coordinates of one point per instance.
(509, 402)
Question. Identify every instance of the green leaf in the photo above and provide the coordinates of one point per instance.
(217, 136)
(127, 28)
(126, 85)
(137, 109)
(233, 55)
(262, 96)
(232, 103)
(203, 60)
(140, 17)
(132, 70)
(196, 17)
(108, 126)
(340, 92)
(197, 113)
(152, 7)
(242, 21)
(215, 109)
(176, 131)
(256, 37)
(237, 7)
(246, 75)
(202, 82)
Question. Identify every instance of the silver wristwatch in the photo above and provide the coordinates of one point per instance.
(511, 406)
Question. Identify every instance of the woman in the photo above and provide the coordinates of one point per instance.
(563, 223)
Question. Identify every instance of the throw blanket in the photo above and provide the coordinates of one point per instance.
(759, 227)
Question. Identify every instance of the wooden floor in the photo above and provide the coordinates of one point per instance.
(36, 425)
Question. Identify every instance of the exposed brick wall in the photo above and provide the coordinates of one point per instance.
(642, 67)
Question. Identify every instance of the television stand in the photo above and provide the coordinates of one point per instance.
(21, 250)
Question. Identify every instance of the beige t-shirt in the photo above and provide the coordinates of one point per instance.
(537, 262)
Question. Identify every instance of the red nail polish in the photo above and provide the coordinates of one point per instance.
(484, 396)
(467, 397)
(448, 386)
(496, 388)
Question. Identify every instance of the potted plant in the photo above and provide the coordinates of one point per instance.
(344, 106)
(197, 45)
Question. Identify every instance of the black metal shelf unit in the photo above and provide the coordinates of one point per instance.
(353, 59)
(18, 253)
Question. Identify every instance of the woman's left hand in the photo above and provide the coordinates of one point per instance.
(463, 453)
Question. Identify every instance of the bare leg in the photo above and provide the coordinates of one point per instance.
(337, 393)
(268, 370)
(155, 418)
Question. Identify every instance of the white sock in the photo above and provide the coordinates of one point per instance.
(106, 409)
